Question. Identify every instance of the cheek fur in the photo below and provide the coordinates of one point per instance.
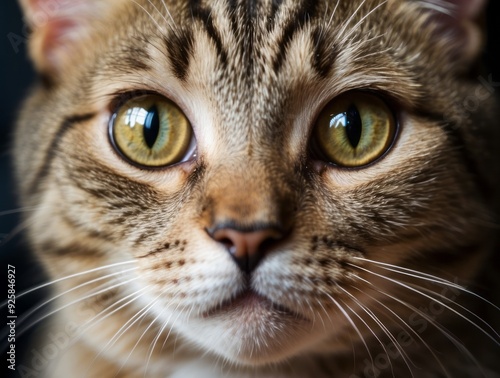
(257, 256)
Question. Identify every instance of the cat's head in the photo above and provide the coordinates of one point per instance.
(256, 163)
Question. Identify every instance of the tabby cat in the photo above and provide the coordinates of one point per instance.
(272, 188)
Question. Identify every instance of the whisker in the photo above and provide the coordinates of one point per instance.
(165, 323)
(400, 319)
(70, 290)
(370, 313)
(171, 328)
(371, 331)
(432, 299)
(16, 231)
(22, 331)
(19, 210)
(23, 293)
(444, 331)
(348, 21)
(161, 14)
(328, 24)
(137, 293)
(150, 16)
(332, 15)
(138, 340)
(427, 277)
(458, 305)
(155, 341)
(363, 19)
(96, 320)
(351, 322)
(169, 16)
(124, 328)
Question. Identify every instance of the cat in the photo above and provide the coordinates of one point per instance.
(271, 188)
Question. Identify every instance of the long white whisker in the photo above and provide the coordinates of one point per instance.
(155, 341)
(124, 328)
(444, 331)
(353, 325)
(70, 290)
(16, 231)
(345, 38)
(333, 14)
(138, 340)
(70, 276)
(370, 313)
(372, 331)
(160, 29)
(348, 21)
(431, 292)
(96, 320)
(401, 320)
(171, 328)
(393, 313)
(165, 323)
(432, 299)
(169, 16)
(19, 210)
(72, 303)
(161, 14)
(427, 277)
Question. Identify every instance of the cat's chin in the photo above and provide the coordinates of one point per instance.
(251, 330)
(250, 304)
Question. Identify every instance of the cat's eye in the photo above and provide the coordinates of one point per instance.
(151, 131)
(354, 130)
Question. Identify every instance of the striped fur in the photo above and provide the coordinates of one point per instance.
(252, 76)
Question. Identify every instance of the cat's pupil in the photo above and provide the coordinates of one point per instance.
(151, 126)
(353, 125)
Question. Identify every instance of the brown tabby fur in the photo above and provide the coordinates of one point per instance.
(252, 77)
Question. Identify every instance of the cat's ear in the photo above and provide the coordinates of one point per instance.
(57, 28)
(456, 26)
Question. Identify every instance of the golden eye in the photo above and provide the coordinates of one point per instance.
(151, 131)
(355, 129)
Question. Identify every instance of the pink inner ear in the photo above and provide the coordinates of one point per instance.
(47, 10)
(57, 32)
(57, 25)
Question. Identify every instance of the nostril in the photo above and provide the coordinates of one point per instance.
(228, 243)
(246, 246)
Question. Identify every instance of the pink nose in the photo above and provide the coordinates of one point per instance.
(247, 247)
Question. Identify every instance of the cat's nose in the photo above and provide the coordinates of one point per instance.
(247, 246)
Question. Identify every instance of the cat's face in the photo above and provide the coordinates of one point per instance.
(253, 238)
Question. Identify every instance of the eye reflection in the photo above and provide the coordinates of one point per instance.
(151, 131)
(135, 115)
(354, 130)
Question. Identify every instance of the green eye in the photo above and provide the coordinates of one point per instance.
(151, 131)
(355, 129)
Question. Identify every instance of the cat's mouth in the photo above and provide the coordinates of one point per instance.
(251, 303)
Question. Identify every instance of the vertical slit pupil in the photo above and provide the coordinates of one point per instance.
(151, 126)
(354, 125)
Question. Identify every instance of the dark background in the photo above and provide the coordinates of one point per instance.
(16, 75)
